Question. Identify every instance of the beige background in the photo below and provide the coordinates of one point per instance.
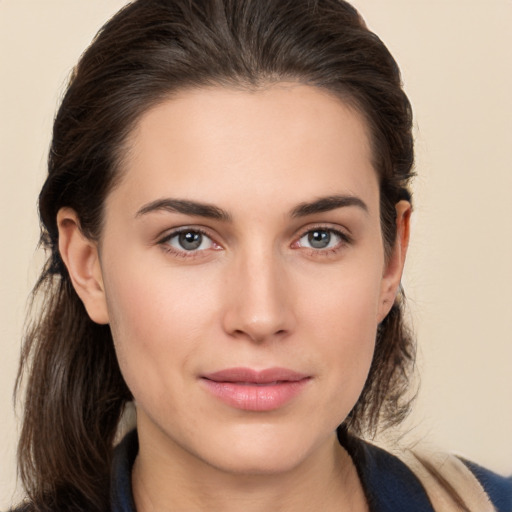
(456, 60)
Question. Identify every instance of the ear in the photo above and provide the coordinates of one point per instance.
(80, 255)
(395, 263)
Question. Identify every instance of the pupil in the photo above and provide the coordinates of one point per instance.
(190, 240)
(319, 239)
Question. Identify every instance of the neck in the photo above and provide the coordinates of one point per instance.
(327, 480)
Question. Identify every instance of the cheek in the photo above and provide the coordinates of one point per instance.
(149, 302)
(345, 302)
(157, 321)
(343, 320)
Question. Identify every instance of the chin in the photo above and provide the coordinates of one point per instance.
(257, 462)
(263, 451)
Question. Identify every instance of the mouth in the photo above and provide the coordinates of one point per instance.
(253, 390)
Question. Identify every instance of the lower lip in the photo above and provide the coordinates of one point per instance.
(256, 397)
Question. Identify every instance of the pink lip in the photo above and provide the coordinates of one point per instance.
(251, 390)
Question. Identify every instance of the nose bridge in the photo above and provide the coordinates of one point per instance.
(259, 302)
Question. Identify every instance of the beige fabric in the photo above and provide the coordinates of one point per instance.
(446, 479)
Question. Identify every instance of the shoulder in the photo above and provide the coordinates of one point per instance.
(497, 487)
(426, 481)
(452, 484)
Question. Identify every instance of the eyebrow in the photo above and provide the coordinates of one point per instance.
(328, 203)
(186, 207)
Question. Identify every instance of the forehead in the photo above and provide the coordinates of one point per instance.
(287, 142)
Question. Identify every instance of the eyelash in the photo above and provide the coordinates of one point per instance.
(164, 242)
(344, 238)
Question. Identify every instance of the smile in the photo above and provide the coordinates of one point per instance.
(251, 390)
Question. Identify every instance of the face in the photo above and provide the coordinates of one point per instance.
(243, 273)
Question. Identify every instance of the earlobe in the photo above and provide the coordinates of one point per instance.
(395, 263)
(80, 255)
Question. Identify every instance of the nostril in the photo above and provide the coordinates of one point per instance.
(259, 335)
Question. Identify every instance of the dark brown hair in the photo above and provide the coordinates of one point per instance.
(75, 392)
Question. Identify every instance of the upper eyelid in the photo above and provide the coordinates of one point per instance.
(170, 233)
(164, 243)
(344, 232)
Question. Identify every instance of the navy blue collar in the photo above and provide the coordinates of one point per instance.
(124, 457)
(389, 484)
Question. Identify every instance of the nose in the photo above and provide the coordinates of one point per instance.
(259, 299)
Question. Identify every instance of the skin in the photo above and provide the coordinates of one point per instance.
(256, 293)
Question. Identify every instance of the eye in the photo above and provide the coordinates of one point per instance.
(322, 239)
(189, 240)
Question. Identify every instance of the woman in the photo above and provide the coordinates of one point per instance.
(227, 210)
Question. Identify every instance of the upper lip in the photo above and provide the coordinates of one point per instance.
(265, 376)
